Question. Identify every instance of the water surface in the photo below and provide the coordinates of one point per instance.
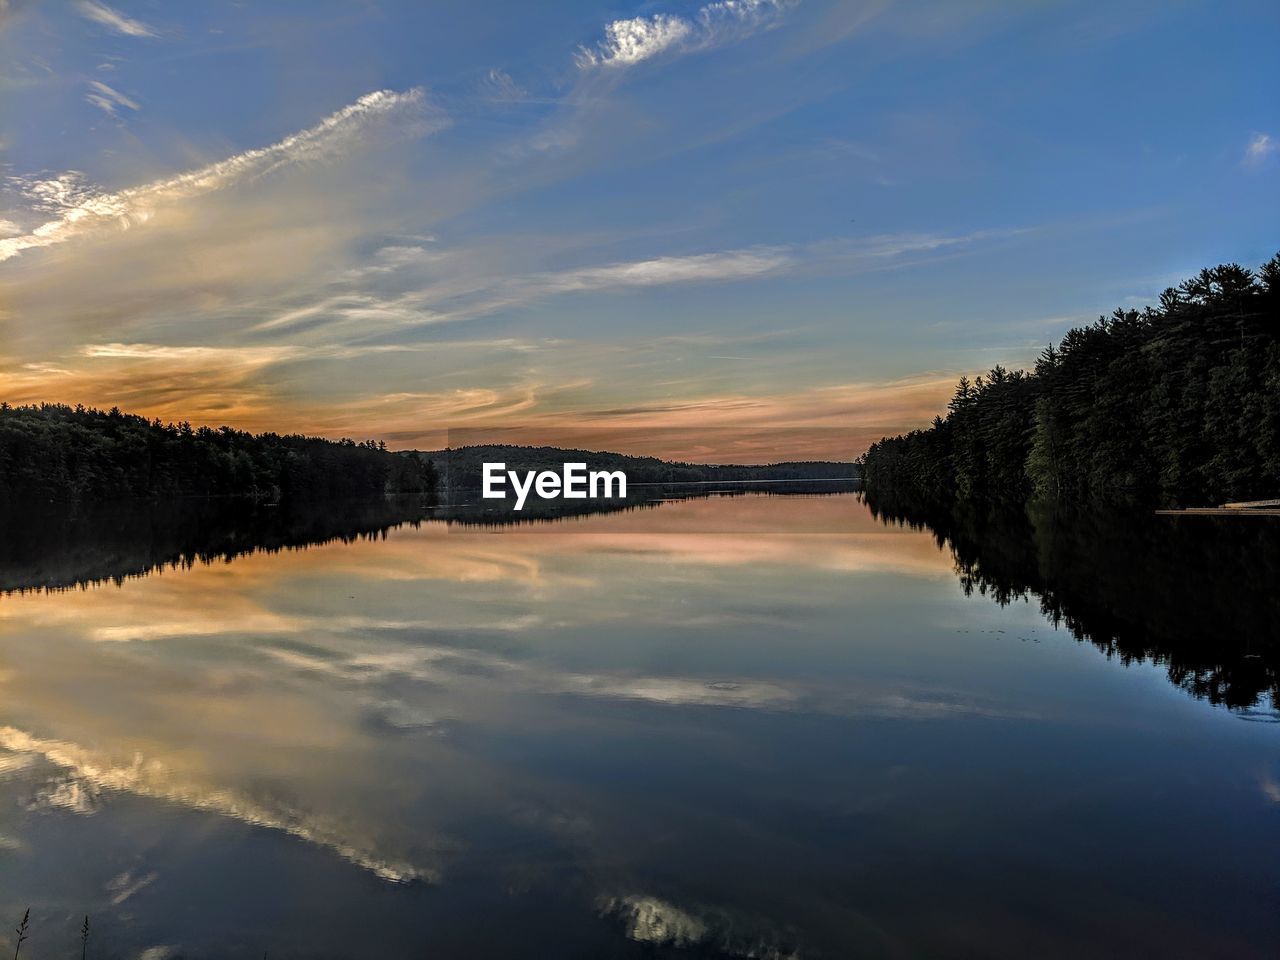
(753, 726)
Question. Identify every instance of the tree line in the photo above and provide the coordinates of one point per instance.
(1176, 404)
(461, 467)
(57, 452)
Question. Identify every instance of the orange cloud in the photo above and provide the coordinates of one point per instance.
(244, 387)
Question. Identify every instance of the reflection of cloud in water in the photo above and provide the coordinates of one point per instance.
(562, 575)
(461, 669)
(651, 920)
(11, 763)
(395, 716)
(678, 691)
(1270, 787)
(90, 775)
(327, 673)
(648, 919)
(74, 794)
(124, 886)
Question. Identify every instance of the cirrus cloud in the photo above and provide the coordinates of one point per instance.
(108, 99)
(1261, 146)
(114, 20)
(628, 42)
(81, 209)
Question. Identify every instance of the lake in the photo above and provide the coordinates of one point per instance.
(750, 726)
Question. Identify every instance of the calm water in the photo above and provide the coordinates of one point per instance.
(667, 732)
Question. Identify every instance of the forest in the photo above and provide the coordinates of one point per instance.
(1177, 404)
(56, 452)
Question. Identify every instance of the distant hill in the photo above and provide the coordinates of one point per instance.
(460, 468)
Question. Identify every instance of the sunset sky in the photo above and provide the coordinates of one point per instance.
(385, 220)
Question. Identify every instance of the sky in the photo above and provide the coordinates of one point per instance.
(787, 224)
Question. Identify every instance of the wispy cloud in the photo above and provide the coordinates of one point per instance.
(82, 209)
(205, 384)
(660, 271)
(462, 299)
(114, 20)
(1261, 146)
(241, 356)
(108, 99)
(451, 296)
(628, 42)
(499, 85)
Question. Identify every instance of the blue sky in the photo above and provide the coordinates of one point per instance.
(385, 219)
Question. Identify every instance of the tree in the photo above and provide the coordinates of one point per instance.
(1177, 403)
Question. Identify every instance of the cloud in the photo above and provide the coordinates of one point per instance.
(220, 356)
(452, 296)
(255, 387)
(81, 209)
(377, 346)
(722, 424)
(107, 98)
(661, 271)
(199, 383)
(743, 264)
(725, 18)
(1261, 146)
(628, 42)
(499, 85)
(486, 296)
(114, 20)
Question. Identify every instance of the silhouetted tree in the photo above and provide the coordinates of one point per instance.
(58, 452)
(1174, 404)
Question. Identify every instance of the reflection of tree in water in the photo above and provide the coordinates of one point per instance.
(50, 546)
(471, 510)
(56, 546)
(1195, 594)
(498, 513)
